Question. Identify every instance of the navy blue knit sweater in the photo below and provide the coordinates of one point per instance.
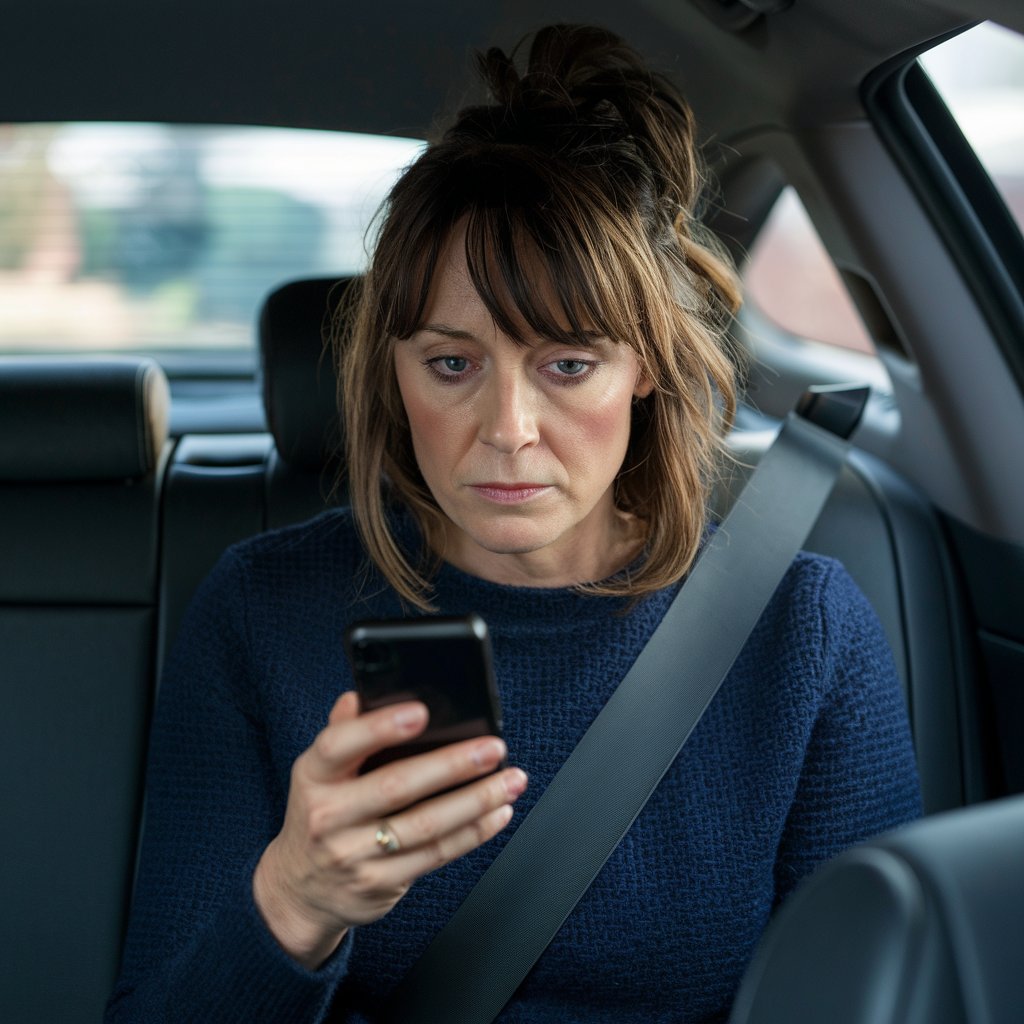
(804, 751)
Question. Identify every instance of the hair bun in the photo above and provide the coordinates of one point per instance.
(588, 97)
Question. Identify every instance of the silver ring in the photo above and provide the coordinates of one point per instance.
(386, 839)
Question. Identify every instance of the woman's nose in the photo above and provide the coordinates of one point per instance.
(508, 419)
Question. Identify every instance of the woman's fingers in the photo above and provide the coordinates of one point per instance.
(397, 870)
(350, 738)
(346, 707)
(410, 780)
(347, 741)
(430, 825)
(428, 836)
(432, 829)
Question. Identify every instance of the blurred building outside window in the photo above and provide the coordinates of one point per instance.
(118, 237)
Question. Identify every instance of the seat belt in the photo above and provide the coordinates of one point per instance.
(479, 958)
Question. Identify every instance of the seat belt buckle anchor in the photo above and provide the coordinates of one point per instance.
(837, 408)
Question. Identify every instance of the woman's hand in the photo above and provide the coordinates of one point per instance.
(327, 870)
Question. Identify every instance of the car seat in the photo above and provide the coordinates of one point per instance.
(924, 925)
(81, 449)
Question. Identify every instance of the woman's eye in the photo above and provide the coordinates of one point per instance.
(571, 367)
(448, 367)
(571, 371)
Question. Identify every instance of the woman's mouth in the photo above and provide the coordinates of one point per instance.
(509, 494)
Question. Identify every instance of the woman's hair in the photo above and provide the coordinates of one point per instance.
(584, 168)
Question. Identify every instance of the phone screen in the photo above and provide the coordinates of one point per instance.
(444, 662)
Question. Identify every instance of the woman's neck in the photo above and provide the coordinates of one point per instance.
(583, 557)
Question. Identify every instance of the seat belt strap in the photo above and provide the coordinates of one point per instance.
(478, 959)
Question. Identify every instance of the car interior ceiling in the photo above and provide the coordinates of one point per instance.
(108, 520)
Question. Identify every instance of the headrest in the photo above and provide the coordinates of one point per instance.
(299, 379)
(81, 419)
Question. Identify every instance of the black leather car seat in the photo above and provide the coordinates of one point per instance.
(922, 926)
(81, 448)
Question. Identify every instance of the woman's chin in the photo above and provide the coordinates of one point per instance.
(507, 541)
(477, 547)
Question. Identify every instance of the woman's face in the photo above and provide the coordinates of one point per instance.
(519, 445)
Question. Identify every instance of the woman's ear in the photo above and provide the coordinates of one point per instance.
(644, 386)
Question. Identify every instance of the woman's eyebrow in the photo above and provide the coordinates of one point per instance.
(586, 338)
(448, 332)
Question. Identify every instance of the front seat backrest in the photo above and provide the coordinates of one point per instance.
(924, 925)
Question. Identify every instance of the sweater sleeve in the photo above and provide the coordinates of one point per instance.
(197, 948)
(859, 775)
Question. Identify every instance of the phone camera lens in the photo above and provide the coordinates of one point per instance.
(370, 656)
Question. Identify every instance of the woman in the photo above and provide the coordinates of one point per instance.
(535, 386)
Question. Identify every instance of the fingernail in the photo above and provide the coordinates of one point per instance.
(489, 752)
(410, 716)
(515, 782)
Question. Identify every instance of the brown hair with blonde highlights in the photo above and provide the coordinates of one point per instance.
(586, 166)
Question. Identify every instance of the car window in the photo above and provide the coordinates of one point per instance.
(790, 279)
(157, 237)
(980, 75)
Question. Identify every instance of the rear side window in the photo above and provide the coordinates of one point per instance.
(790, 279)
(145, 237)
(980, 75)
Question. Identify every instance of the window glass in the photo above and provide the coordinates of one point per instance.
(149, 237)
(790, 278)
(980, 74)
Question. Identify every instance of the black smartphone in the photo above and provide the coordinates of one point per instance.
(444, 662)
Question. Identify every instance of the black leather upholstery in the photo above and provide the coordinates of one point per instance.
(215, 494)
(299, 381)
(922, 926)
(81, 420)
(300, 397)
(78, 579)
